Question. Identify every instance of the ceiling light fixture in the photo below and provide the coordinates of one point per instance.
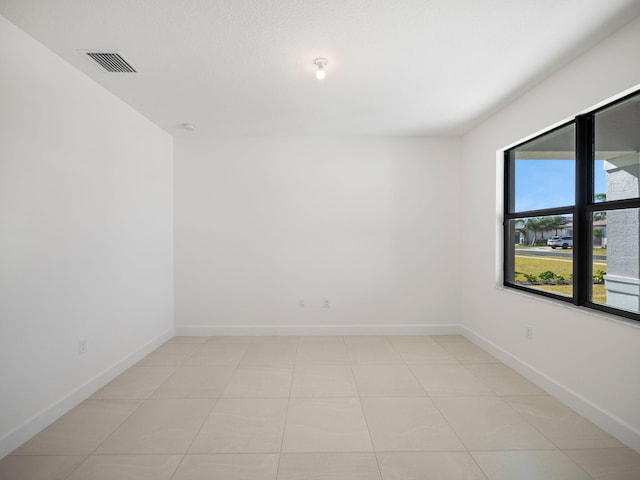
(321, 63)
(188, 126)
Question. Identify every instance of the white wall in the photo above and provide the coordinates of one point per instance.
(86, 236)
(589, 361)
(371, 224)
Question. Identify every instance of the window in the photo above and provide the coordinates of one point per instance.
(572, 211)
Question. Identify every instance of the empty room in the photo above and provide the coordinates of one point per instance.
(293, 239)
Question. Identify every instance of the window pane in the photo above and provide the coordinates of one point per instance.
(617, 142)
(543, 172)
(540, 253)
(616, 259)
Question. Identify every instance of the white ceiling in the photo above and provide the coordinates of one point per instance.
(396, 67)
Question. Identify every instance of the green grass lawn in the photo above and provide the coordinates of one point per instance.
(534, 265)
(599, 293)
(596, 251)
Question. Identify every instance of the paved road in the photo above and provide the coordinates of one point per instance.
(549, 252)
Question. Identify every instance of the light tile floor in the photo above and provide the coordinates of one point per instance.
(356, 408)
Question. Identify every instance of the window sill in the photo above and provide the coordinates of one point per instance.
(559, 303)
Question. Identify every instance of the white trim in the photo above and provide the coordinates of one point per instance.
(613, 425)
(610, 317)
(35, 424)
(312, 330)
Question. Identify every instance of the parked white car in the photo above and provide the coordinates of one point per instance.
(558, 241)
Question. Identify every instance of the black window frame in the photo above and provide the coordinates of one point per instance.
(582, 212)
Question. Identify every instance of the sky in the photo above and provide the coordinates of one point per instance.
(550, 183)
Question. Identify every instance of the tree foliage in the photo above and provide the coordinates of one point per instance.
(544, 224)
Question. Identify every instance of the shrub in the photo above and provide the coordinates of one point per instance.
(549, 277)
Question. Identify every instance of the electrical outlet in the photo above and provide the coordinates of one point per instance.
(528, 333)
(82, 347)
(301, 303)
(325, 303)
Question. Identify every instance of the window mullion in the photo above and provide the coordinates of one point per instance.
(582, 241)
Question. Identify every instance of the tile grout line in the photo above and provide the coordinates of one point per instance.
(557, 447)
(466, 449)
(364, 416)
(77, 467)
(186, 452)
(470, 452)
(360, 396)
(142, 402)
(286, 413)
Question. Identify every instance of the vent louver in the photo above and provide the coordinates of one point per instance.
(112, 62)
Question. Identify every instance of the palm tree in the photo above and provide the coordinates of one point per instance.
(535, 224)
(556, 222)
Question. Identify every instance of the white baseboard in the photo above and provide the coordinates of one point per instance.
(35, 424)
(313, 330)
(611, 424)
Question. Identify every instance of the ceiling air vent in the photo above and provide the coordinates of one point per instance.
(112, 62)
